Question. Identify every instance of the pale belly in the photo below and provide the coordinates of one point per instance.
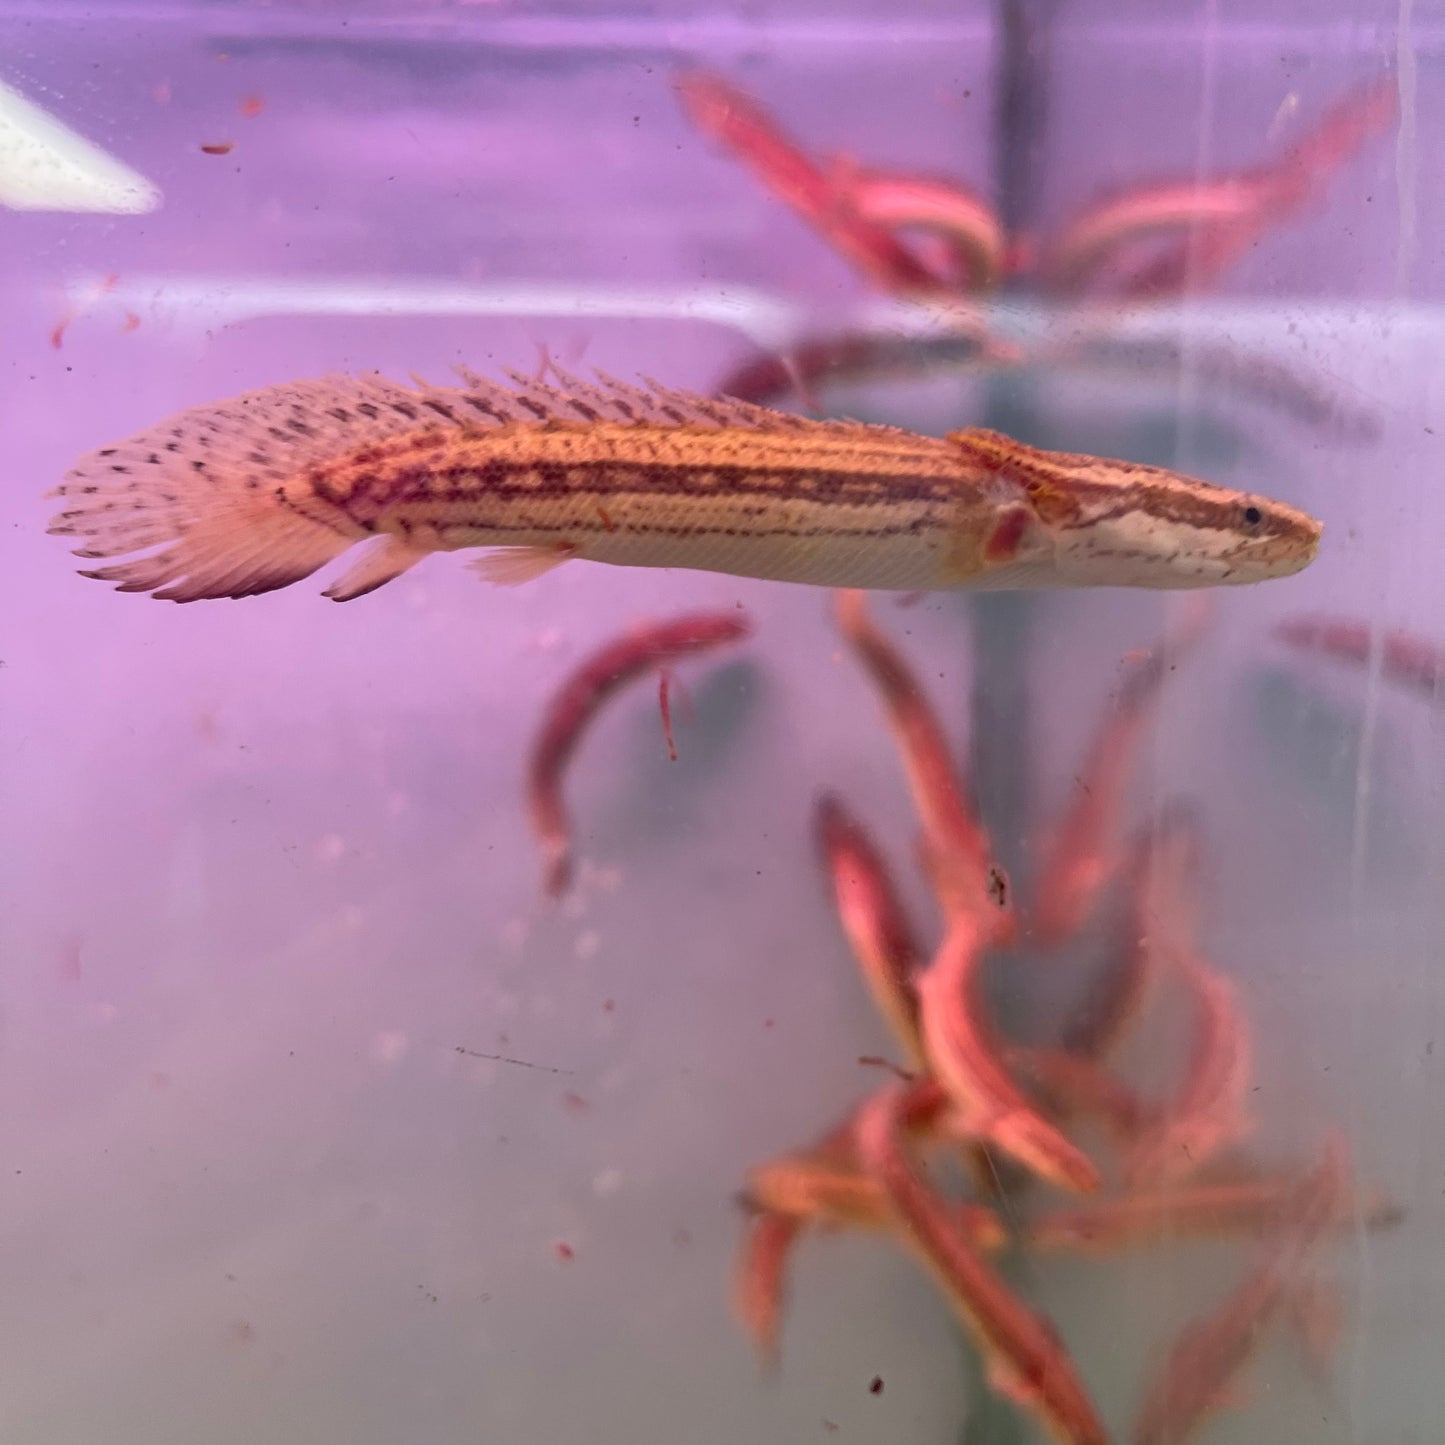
(913, 553)
(904, 563)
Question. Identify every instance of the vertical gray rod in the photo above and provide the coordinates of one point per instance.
(1001, 741)
(1001, 751)
(1020, 107)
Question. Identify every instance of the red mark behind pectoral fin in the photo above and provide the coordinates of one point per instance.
(1008, 534)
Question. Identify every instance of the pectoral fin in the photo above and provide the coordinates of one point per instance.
(987, 545)
(511, 566)
(379, 563)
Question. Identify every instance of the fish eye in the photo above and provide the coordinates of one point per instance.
(1253, 516)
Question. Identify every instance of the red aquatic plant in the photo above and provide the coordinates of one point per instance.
(1175, 1168)
(938, 242)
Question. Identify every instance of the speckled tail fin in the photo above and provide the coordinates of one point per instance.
(232, 551)
(221, 491)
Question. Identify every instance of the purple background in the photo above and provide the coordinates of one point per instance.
(264, 867)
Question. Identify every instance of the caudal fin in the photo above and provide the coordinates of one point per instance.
(216, 497)
(231, 498)
(234, 552)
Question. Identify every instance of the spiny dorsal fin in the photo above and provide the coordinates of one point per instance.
(221, 493)
(262, 439)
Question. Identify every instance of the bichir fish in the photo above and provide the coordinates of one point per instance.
(249, 495)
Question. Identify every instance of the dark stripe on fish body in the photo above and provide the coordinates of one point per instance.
(655, 529)
(558, 481)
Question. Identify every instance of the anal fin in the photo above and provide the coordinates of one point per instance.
(511, 566)
(379, 564)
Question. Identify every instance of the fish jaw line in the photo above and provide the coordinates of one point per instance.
(1285, 555)
(1138, 548)
(1098, 522)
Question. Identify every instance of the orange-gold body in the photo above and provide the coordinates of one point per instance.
(249, 495)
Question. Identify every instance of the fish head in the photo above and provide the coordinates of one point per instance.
(1168, 535)
(1124, 524)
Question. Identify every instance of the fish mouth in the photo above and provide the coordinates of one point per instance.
(1287, 552)
(1286, 539)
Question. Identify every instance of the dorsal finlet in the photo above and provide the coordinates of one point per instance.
(1048, 478)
